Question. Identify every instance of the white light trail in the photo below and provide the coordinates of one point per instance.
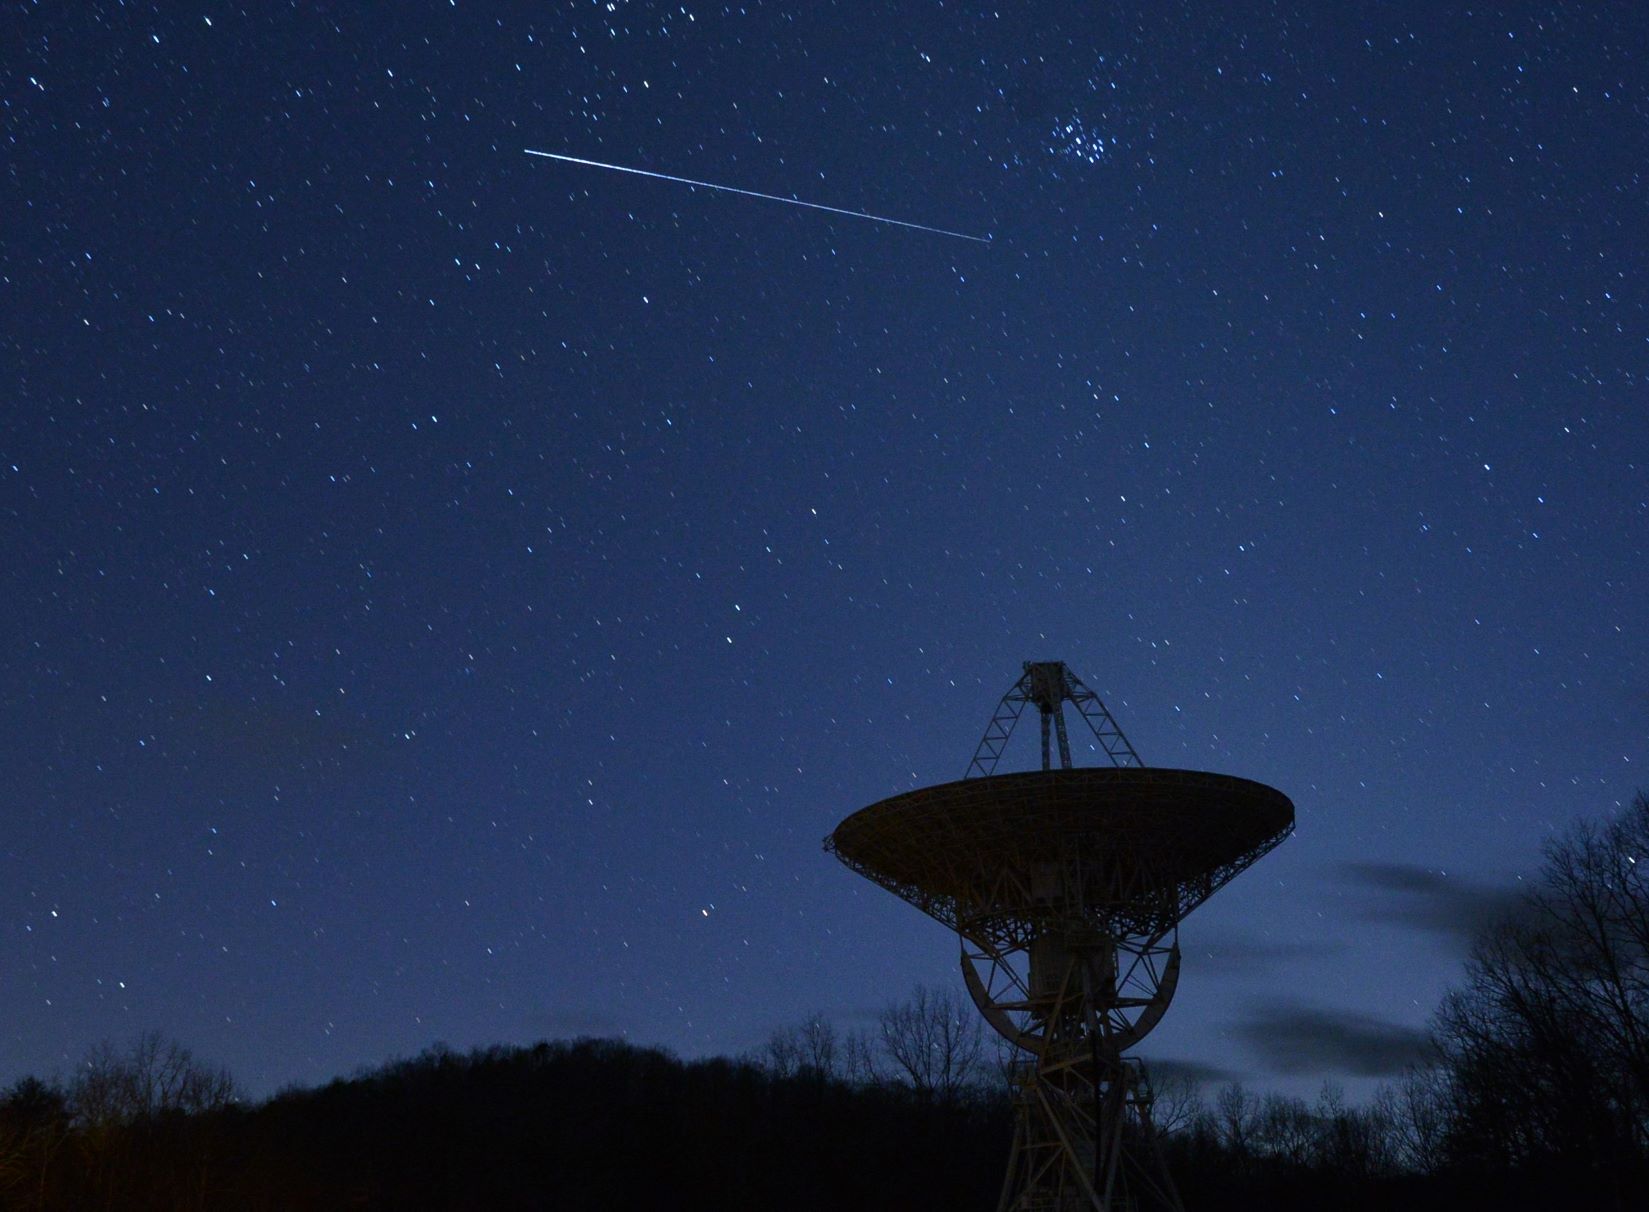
(750, 193)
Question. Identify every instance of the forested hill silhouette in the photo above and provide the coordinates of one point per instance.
(599, 1124)
(588, 1124)
(1534, 1094)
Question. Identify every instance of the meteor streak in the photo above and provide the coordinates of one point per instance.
(750, 193)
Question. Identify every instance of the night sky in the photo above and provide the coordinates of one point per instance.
(449, 594)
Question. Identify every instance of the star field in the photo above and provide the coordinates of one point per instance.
(450, 594)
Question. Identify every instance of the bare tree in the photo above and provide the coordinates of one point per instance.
(1546, 1047)
(34, 1123)
(1285, 1130)
(862, 1061)
(116, 1093)
(781, 1055)
(809, 1049)
(1417, 1114)
(153, 1076)
(936, 1040)
(1351, 1141)
(818, 1046)
(1176, 1101)
(1236, 1119)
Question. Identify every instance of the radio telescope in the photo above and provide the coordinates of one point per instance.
(1066, 887)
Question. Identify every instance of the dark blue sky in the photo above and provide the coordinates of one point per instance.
(450, 594)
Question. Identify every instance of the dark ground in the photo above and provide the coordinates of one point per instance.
(601, 1125)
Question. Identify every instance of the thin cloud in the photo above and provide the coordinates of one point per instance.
(574, 1023)
(1295, 1040)
(1236, 956)
(1191, 1071)
(1433, 901)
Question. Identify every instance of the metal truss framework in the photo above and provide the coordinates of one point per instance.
(1050, 685)
(1066, 887)
(1083, 1137)
(1071, 1002)
(1073, 993)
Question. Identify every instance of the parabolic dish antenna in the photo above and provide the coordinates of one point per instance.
(1066, 886)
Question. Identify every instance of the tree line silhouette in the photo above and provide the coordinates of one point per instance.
(1535, 1094)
